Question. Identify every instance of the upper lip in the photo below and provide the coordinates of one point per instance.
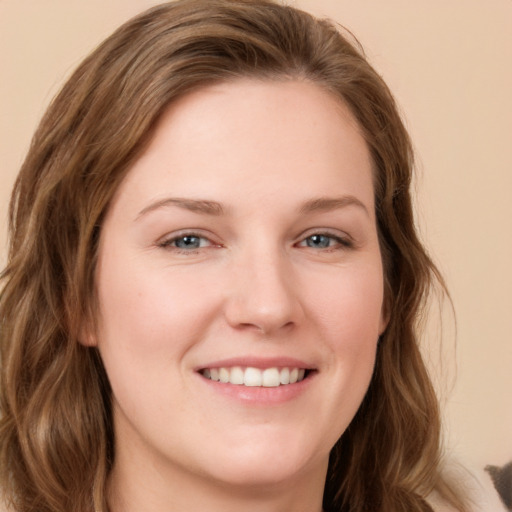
(258, 362)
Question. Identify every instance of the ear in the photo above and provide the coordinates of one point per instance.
(87, 339)
(385, 315)
(87, 335)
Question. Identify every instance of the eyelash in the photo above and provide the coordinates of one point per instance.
(340, 242)
(168, 243)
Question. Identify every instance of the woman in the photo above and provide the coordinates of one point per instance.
(214, 279)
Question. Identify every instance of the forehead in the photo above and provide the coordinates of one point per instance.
(254, 137)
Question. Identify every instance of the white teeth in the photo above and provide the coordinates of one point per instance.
(285, 376)
(254, 377)
(236, 375)
(271, 378)
(223, 375)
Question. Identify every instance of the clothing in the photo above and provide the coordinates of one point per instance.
(478, 488)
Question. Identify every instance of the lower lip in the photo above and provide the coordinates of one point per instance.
(256, 395)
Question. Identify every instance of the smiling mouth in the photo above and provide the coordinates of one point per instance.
(256, 377)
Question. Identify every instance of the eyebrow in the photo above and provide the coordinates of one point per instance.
(208, 207)
(194, 205)
(326, 204)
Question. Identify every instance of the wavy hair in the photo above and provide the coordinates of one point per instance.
(56, 437)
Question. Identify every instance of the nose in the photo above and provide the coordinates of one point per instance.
(262, 295)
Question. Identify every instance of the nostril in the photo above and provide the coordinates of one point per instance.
(262, 327)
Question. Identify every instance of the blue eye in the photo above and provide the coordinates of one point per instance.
(186, 243)
(319, 241)
(325, 241)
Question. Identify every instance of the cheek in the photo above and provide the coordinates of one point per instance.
(148, 307)
(349, 312)
(150, 318)
(349, 306)
(147, 327)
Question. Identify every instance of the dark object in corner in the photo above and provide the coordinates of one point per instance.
(502, 479)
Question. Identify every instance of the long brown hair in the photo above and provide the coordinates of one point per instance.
(56, 438)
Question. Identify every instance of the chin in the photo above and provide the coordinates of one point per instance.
(269, 464)
(262, 475)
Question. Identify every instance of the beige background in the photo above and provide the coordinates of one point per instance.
(449, 65)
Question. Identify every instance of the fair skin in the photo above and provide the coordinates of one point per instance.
(247, 239)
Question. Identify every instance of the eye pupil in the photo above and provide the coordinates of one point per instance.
(321, 241)
(188, 242)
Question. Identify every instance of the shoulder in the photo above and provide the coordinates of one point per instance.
(438, 504)
(479, 491)
(484, 494)
(4, 507)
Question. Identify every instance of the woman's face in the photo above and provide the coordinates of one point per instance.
(241, 245)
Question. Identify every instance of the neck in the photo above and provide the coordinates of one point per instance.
(151, 488)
